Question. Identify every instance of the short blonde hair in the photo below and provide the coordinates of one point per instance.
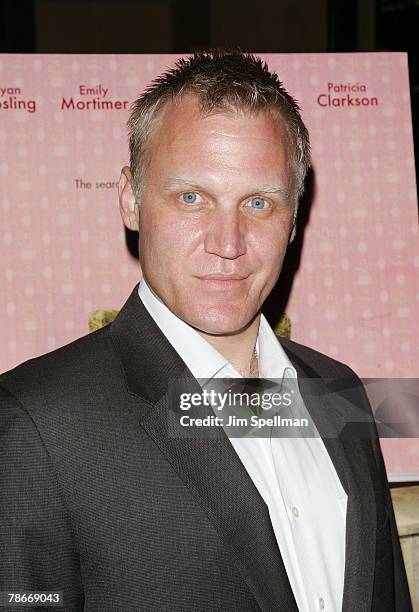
(222, 80)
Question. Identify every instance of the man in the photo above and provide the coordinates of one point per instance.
(102, 498)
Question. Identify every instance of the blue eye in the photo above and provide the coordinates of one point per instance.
(258, 203)
(189, 197)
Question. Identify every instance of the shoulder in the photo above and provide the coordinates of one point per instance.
(69, 370)
(65, 356)
(314, 358)
(337, 377)
(324, 365)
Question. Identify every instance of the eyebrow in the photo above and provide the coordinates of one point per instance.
(181, 181)
(266, 189)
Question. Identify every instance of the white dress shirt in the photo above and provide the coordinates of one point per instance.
(294, 476)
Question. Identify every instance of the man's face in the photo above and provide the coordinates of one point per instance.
(215, 217)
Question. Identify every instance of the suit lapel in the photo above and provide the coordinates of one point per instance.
(331, 412)
(210, 468)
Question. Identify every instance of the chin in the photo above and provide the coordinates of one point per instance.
(218, 322)
(218, 330)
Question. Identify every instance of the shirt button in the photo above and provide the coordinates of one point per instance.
(295, 512)
(322, 605)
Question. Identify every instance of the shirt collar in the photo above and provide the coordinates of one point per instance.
(274, 363)
(202, 359)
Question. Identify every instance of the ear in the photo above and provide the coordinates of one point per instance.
(127, 204)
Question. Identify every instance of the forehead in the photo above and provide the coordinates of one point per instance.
(187, 112)
(226, 138)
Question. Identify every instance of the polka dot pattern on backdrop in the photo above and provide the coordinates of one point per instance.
(64, 244)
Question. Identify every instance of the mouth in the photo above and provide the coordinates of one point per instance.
(222, 281)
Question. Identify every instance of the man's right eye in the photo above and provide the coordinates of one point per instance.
(189, 197)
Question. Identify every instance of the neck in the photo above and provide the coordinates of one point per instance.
(238, 348)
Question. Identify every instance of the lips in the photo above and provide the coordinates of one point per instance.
(222, 281)
(222, 277)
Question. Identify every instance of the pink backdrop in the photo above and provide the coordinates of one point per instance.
(63, 244)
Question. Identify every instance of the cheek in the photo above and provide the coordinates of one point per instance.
(268, 249)
(164, 238)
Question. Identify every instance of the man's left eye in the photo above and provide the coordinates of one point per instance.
(189, 197)
(258, 203)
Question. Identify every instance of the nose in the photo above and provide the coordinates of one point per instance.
(225, 235)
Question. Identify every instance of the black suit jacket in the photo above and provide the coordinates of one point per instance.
(99, 501)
